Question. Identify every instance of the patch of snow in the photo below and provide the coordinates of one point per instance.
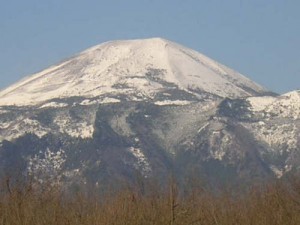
(35, 127)
(218, 143)
(5, 125)
(175, 102)
(218, 155)
(142, 161)
(109, 100)
(54, 105)
(72, 173)
(99, 101)
(89, 102)
(47, 166)
(288, 168)
(278, 173)
(80, 129)
(20, 126)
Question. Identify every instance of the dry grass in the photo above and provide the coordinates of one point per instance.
(269, 204)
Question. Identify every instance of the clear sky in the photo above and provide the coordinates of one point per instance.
(259, 38)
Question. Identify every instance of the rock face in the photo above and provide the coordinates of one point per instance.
(146, 108)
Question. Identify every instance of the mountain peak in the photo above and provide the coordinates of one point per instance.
(138, 69)
(155, 42)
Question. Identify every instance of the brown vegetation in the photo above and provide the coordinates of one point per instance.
(276, 204)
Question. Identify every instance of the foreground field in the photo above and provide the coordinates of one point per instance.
(277, 203)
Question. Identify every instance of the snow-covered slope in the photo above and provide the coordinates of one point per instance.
(137, 69)
(286, 105)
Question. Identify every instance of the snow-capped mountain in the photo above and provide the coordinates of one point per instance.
(136, 69)
(149, 107)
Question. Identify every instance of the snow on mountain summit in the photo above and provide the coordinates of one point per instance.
(139, 69)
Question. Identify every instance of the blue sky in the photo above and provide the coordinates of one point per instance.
(259, 38)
